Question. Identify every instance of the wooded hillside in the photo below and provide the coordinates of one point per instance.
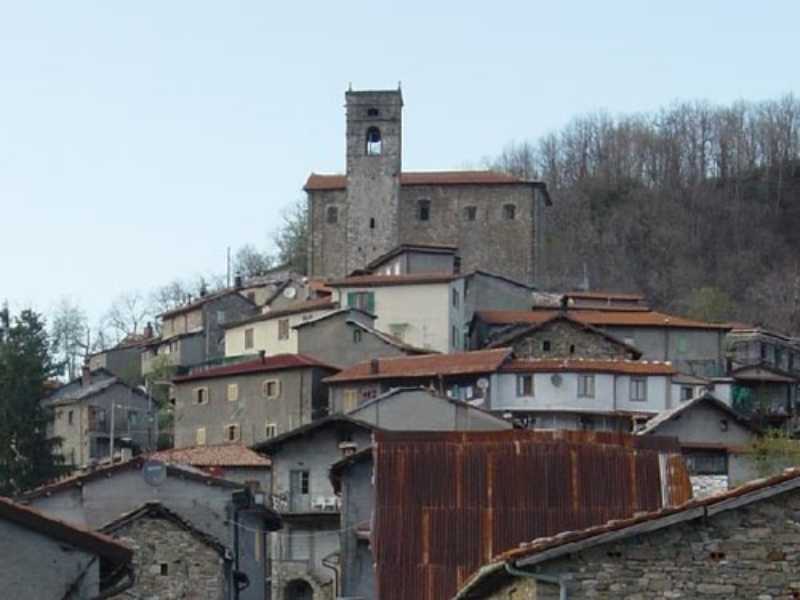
(696, 206)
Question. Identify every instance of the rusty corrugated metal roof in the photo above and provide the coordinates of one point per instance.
(446, 503)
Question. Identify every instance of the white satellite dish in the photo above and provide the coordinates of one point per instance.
(289, 293)
(482, 383)
(556, 379)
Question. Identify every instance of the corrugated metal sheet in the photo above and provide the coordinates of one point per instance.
(446, 503)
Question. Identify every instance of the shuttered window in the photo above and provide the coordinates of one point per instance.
(363, 300)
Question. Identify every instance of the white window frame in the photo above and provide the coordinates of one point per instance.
(520, 381)
(265, 388)
(270, 430)
(636, 383)
(586, 385)
(200, 436)
(196, 396)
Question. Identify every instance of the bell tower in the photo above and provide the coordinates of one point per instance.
(374, 163)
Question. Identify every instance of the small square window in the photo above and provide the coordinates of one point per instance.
(546, 346)
(270, 430)
(470, 213)
(586, 386)
(423, 210)
(524, 385)
(164, 569)
(233, 392)
(271, 388)
(232, 433)
(638, 389)
(687, 393)
(332, 215)
(509, 212)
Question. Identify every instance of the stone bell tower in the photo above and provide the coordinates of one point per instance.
(374, 144)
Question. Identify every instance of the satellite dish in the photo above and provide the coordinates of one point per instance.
(289, 293)
(482, 383)
(556, 379)
(154, 472)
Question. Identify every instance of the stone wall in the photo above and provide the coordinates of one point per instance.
(170, 563)
(567, 340)
(749, 553)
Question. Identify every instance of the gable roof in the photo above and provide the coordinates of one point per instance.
(220, 455)
(706, 398)
(464, 497)
(268, 364)
(591, 365)
(771, 373)
(156, 510)
(515, 334)
(390, 339)
(323, 182)
(334, 313)
(75, 391)
(107, 472)
(89, 541)
(199, 302)
(329, 421)
(393, 280)
(402, 248)
(429, 365)
(598, 318)
(294, 309)
(545, 549)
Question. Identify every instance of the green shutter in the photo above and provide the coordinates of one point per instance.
(351, 299)
(371, 302)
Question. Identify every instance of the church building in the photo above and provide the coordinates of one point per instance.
(493, 219)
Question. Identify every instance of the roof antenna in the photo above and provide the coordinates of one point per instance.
(350, 86)
(585, 284)
(399, 85)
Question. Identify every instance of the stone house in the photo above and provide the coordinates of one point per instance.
(562, 336)
(464, 375)
(193, 333)
(93, 499)
(738, 544)
(693, 347)
(124, 360)
(171, 557)
(47, 558)
(346, 337)
(249, 402)
(446, 503)
(407, 409)
(97, 412)
(492, 218)
(233, 462)
(603, 395)
(713, 437)
(272, 331)
(305, 552)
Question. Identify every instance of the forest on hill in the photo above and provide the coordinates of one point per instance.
(696, 206)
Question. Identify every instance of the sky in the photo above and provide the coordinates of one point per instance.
(138, 140)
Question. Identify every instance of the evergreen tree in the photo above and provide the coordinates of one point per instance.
(27, 456)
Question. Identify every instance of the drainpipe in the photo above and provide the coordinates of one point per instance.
(540, 577)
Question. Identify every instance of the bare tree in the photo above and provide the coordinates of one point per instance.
(291, 239)
(69, 336)
(250, 262)
(128, 314)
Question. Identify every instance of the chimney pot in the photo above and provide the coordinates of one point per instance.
(374, 366)
(86, 375)
(237, 281)
(148, 330)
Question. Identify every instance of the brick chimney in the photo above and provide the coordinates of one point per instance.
(86, 375)
(148, 330)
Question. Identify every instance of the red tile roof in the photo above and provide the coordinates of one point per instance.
(277, 362)
(223, 455)
(623, 367)
(428, 365)
(603, 296)
(94, 543)
(446, 503)
(598, 318)
(318, 182)
(387, 280)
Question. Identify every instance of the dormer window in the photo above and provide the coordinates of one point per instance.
(423, 210)
(374, 144)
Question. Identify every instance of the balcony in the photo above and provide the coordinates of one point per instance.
(304, 504)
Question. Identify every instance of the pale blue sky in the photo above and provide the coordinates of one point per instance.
(139, 139)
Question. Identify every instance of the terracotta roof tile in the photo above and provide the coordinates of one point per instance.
(318, 182)
(223, 455)
(598, 318)
(627, 367)
(387, 280)
(277, 362)
(428, 365)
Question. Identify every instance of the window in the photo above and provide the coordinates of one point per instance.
(232, 433)
(372, 223)
(200, 395)
(133, 417)
(332, 215)
(357, 336)
(70, 417)
(454, 336)
(524, 385)
(470, 213)
(283, 329)
(509, 212)
(200, 436)
(164, 569)
(423, 210)
(572, 348)
(707, 463)
(248, 339)
(349, 400)
(546, 346)
(251, 296)
(363, 300)
(220, 316)
(586, 423)
(638, 389)
(233, 392)
(687, 393)
(681, 344)
(374, 143)
(270, 430)
(586, 386)
(455, 298)
(373, 112)
(271, 388)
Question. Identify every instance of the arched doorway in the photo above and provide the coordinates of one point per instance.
(299, 589)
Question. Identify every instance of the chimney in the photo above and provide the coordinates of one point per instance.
(148, 330)
(374, 366)
(237, 281)
(86, 375)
